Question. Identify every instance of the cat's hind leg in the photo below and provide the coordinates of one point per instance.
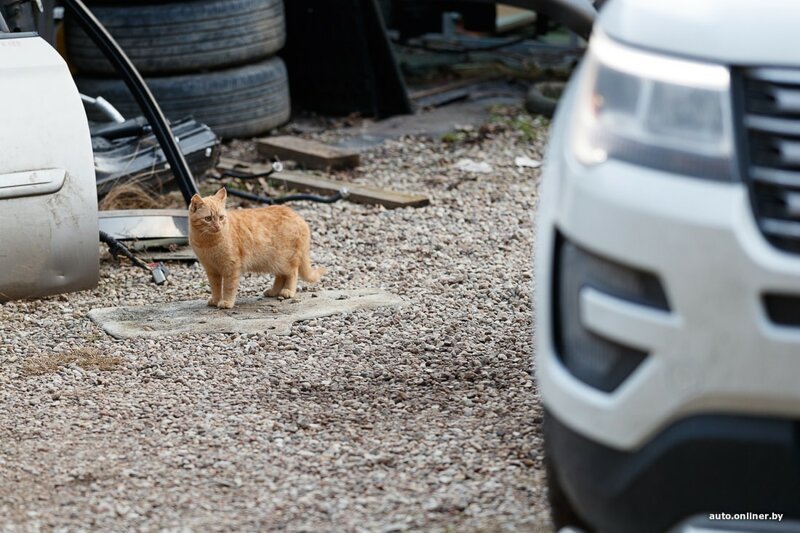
(215, 282)
(277, 286)
(290, 287)
(230, 286)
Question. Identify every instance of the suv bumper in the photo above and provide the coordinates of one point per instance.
(700, 465)
(714, 349)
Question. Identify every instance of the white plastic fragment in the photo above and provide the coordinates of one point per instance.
(470, 165)
(526, 162)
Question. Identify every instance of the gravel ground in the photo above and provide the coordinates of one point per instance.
(424, 418)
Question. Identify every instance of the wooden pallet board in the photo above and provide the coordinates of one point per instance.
(357, 193)
(308, 154)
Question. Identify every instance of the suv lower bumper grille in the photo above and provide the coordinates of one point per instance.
(596, 361)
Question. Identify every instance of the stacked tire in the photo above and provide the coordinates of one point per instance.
(210, 59)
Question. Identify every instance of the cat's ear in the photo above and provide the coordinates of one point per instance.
(221, 194)
(196, 203)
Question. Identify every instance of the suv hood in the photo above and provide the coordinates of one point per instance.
(732, 32)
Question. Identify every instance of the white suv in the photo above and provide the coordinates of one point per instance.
(668, 271)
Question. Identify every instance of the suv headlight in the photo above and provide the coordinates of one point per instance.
(648, 109)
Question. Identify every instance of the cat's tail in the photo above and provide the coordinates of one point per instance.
(309, 273)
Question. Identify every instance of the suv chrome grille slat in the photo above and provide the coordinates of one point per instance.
(772, 125)
(788, 76)
(770, 122)
(776, 177)
(777, 100)
(781, 228)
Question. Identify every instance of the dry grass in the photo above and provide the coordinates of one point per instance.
(128, 196)
(133, 196)
(86, 358)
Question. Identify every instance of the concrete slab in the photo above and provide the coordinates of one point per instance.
(251, 315)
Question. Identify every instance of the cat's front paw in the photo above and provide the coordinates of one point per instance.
(286, 293)
(212, 302)
(224, 304)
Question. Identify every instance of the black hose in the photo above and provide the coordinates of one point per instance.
(462, 50)
(245, 176)
(159, 273)
(338, 195)
(130, 75)
(116, 248)
(342, 193)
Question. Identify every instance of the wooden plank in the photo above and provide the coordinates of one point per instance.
(308, 154)
(441, 88)
(357, 193)
(511, 18)
(442, 94)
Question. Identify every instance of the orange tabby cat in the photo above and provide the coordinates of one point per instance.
(273, 240)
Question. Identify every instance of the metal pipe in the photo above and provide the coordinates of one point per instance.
(105, 106)
(150, 108)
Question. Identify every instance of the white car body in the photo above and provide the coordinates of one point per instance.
(48, 197)
(715, 346)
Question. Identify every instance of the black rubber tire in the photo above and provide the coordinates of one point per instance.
(128, 2)
(238, 102)
(178, 37)
(562, 513)
(543, 97)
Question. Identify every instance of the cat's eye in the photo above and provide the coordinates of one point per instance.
(222, 217)
(208, 219)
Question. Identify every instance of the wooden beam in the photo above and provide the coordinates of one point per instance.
(510, 18)
(357, 193)
(308, 154)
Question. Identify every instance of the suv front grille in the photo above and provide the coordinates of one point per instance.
(771, 125)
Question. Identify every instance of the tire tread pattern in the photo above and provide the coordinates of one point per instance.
(238, 102)
(178, 37)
